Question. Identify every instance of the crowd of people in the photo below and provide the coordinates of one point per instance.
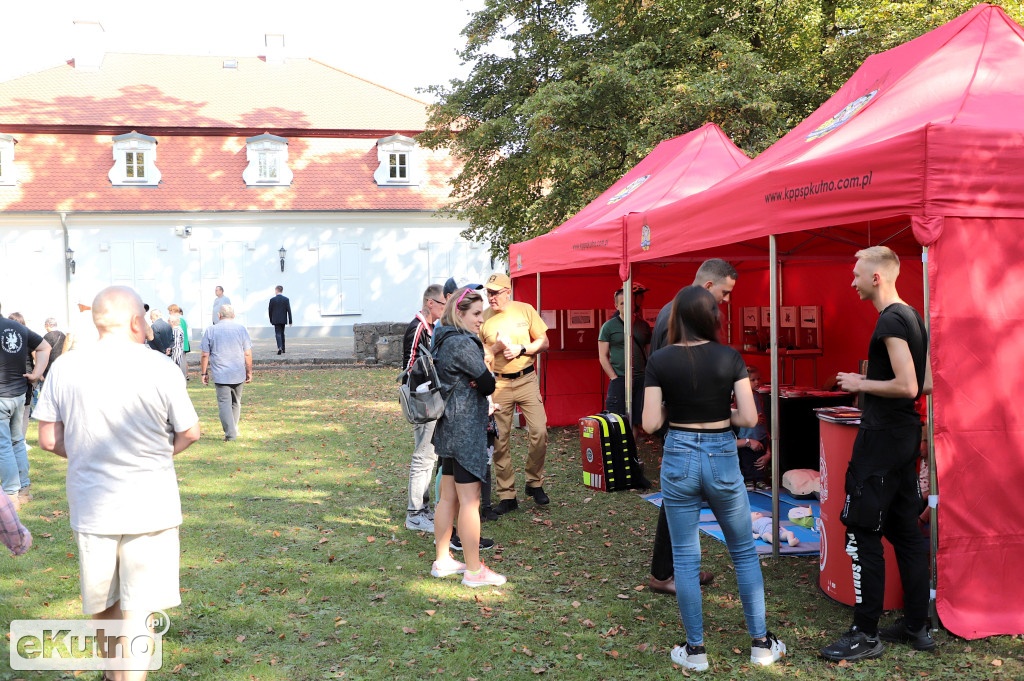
(690, 390)
(700, 398)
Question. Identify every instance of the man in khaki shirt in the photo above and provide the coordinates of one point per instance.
(513, 333)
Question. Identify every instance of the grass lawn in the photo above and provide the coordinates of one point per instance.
(296, 564)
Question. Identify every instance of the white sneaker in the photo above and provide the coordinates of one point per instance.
(443, 568)
(768, 651)
(690, 657)
(419, 523)
(485, 576)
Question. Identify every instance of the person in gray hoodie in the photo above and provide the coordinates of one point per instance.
(460, 437)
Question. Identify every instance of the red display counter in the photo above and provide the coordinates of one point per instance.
(836, 568)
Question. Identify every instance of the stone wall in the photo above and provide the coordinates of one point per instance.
(379, 343)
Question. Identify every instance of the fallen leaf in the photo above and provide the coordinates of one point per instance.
(371, 539)
(997, 663)
(408, 630)
(240, 638)
(430, 612)
(538, 670)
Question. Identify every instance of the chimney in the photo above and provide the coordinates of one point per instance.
(88, 43)
(275, 48)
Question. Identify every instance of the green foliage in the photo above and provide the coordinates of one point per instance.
(566, 95)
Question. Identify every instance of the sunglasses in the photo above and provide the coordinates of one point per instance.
(492, 294)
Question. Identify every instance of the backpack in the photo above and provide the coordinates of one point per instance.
(422, 406)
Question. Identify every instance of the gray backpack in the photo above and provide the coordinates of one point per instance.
(420, 391)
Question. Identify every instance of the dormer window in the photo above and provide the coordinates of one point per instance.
(134, 161)
(397, 158)
(8, 176)
(268, 161)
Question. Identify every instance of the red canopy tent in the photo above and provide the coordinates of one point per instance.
(922, 147)
(675, 169)
(580, 260)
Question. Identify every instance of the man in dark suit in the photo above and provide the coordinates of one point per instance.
(280, 311)
(163, 334)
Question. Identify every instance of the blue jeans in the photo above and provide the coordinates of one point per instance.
(693, 463)
(13, 457)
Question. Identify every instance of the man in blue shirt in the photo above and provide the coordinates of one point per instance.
(227, 354)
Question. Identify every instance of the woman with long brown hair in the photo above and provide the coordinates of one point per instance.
(690, 384)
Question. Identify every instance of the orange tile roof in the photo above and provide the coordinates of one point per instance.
(140, 91)
(58, 172)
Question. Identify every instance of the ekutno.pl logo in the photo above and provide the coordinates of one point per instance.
(84, 645)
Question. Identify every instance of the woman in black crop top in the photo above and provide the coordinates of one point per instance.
(690, 384)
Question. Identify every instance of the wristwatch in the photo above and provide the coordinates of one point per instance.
(522, 352)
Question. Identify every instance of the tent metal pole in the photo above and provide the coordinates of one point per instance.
(627, 339)
(773, 291)
(536, 359)
(933, 478)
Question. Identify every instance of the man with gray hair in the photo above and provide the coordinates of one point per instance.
(227, 354)
(163, 335)
(55, 337)
(119, 431)
(418, 337)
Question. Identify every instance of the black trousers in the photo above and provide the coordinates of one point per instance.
(662, 566)
(279, 335)
(884, 500)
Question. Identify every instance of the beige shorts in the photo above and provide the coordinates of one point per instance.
(140, 570)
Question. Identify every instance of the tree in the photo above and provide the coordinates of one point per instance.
(586, 88)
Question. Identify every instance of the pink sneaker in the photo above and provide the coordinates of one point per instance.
(443, 568)
(485, 576)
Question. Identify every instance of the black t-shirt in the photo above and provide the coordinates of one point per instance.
(696, 381)
(895, 321)
(16, 343)
(659, 336)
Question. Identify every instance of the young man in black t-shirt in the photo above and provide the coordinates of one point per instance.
(883, 496)
(16, 344)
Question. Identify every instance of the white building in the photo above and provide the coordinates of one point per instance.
(175, 174)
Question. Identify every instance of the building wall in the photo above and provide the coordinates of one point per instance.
(341, 268)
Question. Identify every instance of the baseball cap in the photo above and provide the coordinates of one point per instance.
(498, 281)
(451, 286)
(637, 288)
